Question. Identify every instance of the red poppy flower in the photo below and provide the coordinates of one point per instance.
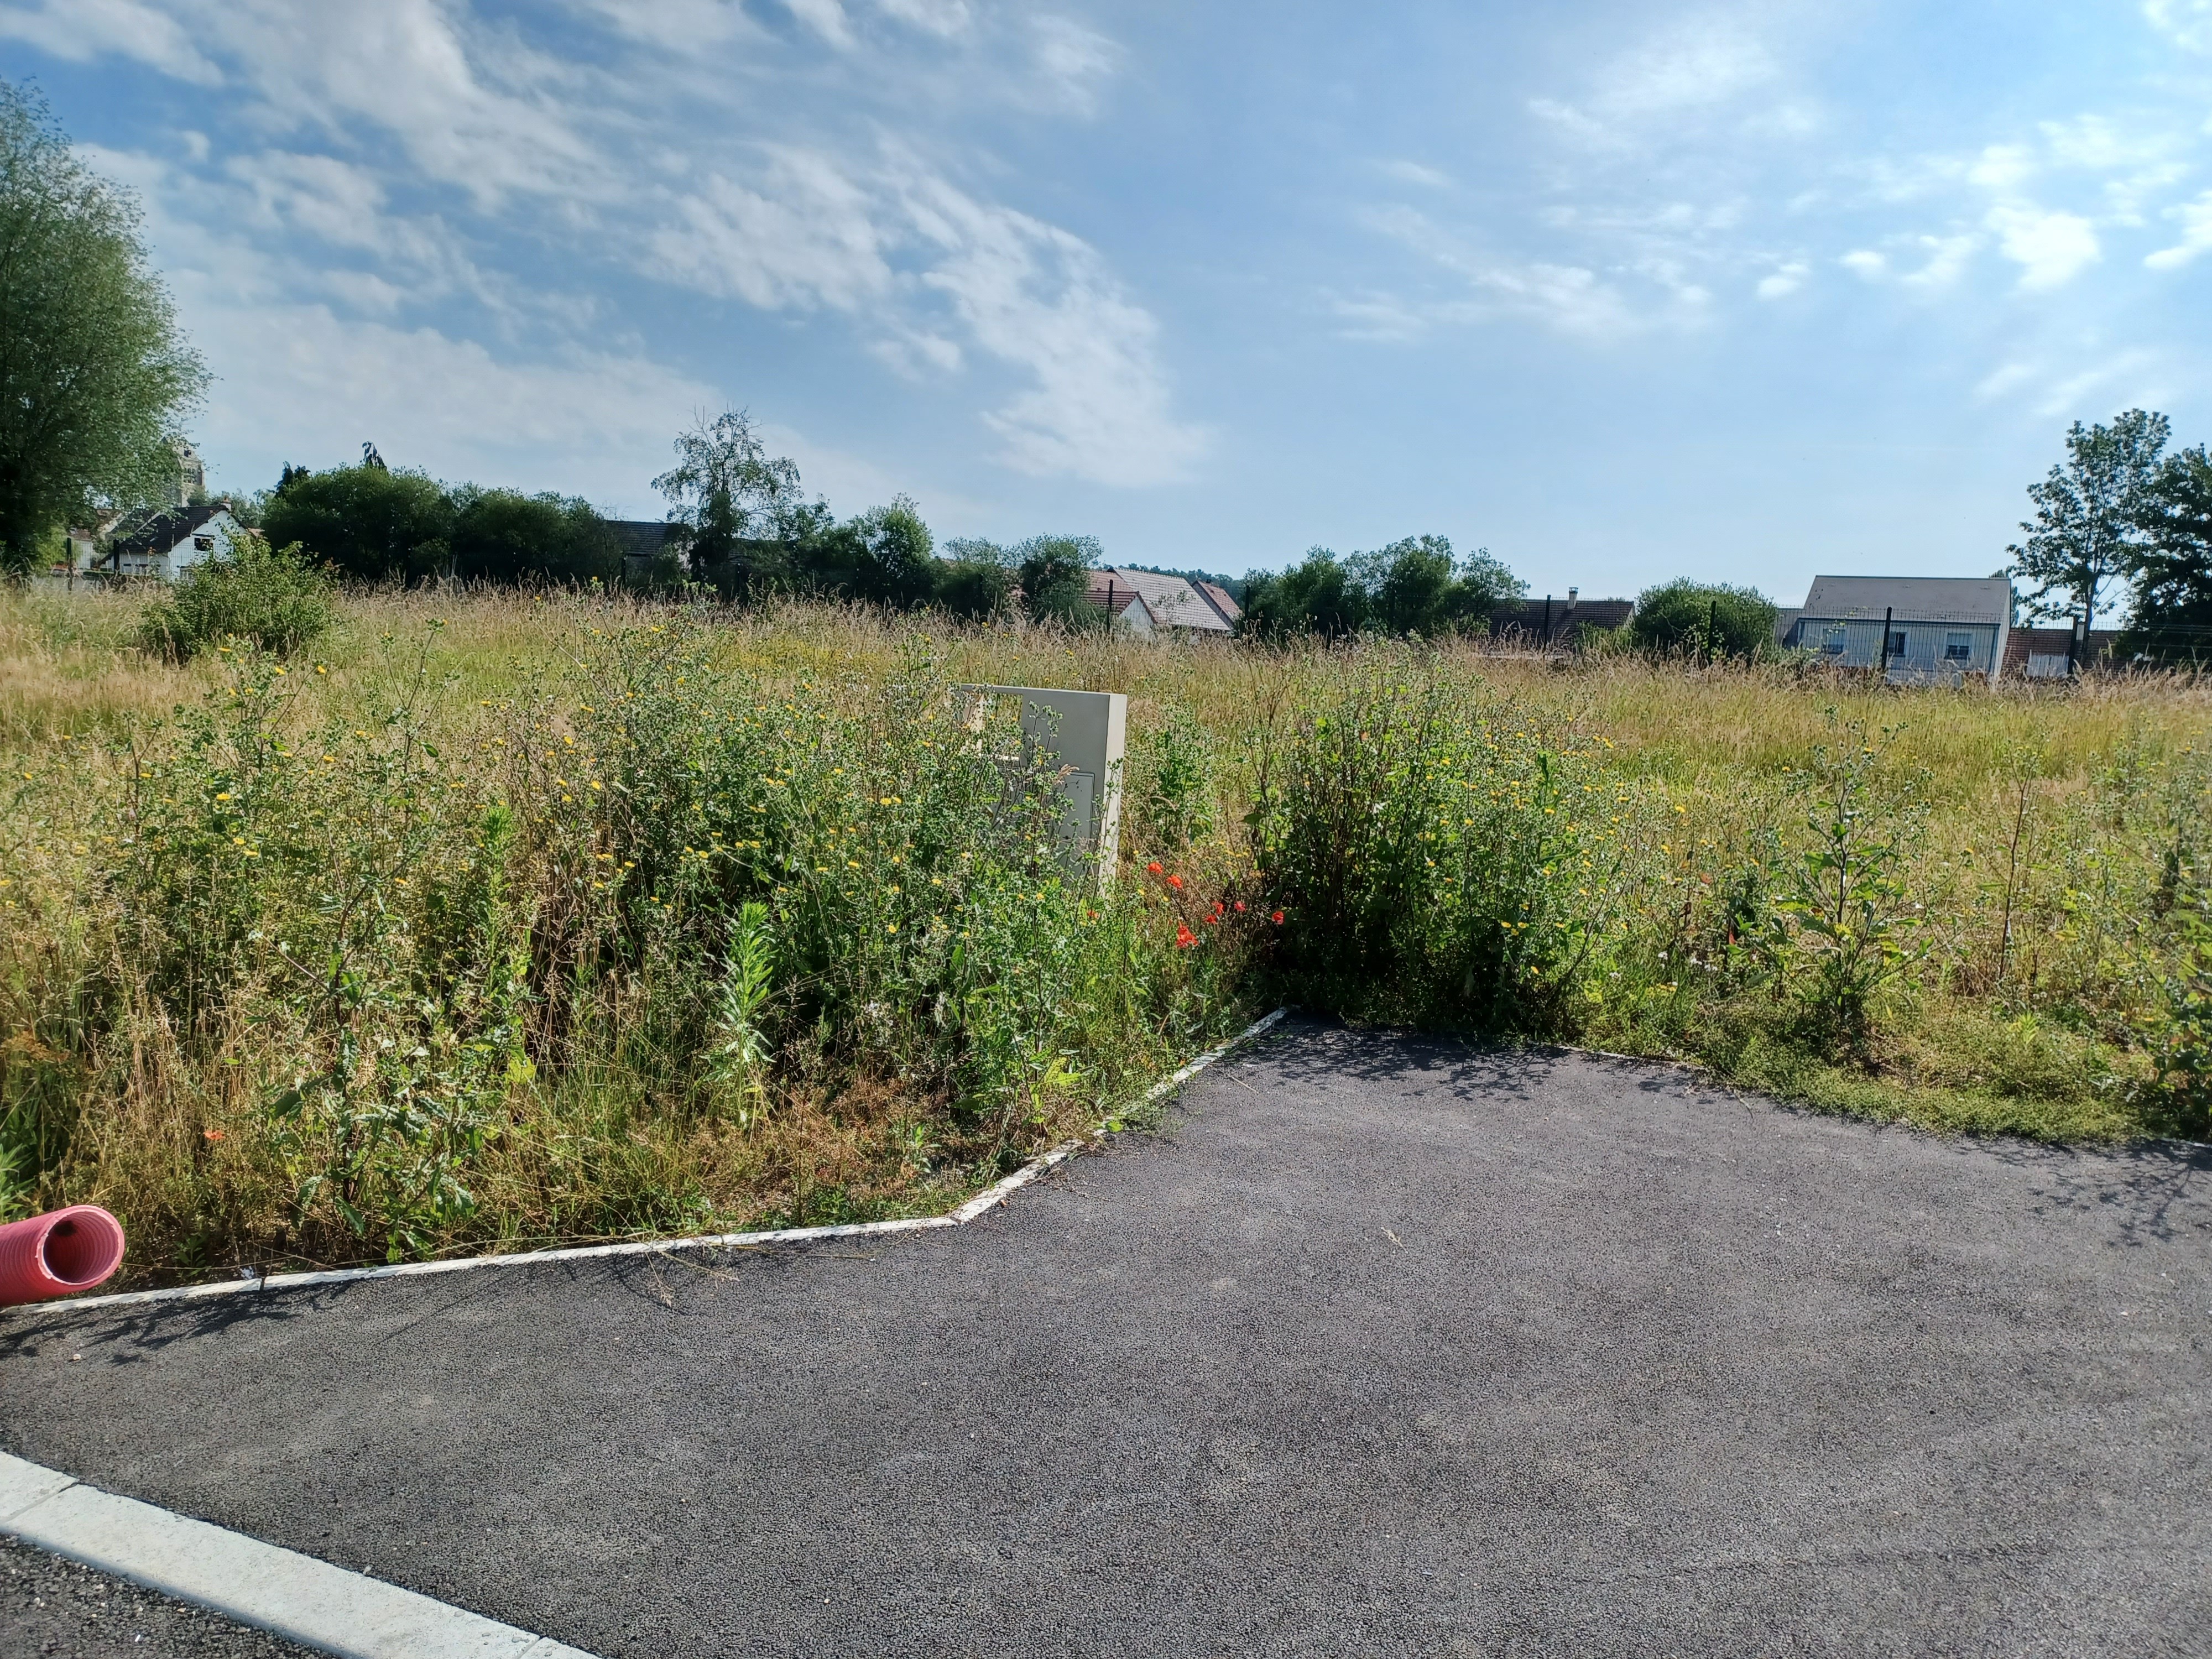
(1240, 906)
(1279, 918)
(1184, 938)
(1175, 882)
(1154, 866)
(212, 1134)
(1213, 920)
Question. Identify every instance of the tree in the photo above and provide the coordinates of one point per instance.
(727, 490)
(365, 522)
(1413, 586)
(895, 557)
(1052, 572)
(2172, 571)
(1317, 595)
(2087, 512)
(94, 374)
(1704, 619)
(504, 536)
(975, 578)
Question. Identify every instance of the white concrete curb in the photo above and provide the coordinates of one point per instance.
(243, 1579)
(989, 1199)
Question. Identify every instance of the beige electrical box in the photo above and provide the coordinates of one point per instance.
(1085, 732)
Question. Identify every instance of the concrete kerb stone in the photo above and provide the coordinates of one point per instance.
(246, 1580)
(987, 1199)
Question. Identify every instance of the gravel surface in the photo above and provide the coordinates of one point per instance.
(1386, 1346)
(49, 1606)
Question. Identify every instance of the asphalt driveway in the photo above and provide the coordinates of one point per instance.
(1384, 1347)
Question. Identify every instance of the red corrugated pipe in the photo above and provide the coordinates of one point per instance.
(60, 1253)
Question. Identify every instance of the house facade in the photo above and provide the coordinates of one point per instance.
(1911, 628)
(169, 544)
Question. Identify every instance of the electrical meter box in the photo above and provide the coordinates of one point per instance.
(1083, 734)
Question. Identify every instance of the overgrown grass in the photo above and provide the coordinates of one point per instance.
(516, 919)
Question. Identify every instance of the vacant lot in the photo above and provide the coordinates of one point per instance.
(496, 920)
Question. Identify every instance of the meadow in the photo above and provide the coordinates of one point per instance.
(494, 921)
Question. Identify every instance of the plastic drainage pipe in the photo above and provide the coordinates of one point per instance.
(59, 1254)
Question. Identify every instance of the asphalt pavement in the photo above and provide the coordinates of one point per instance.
(1383, 1346)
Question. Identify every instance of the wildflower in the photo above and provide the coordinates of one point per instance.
(1154, 866)
(890, 927)
(1184, 938)
(212, 1134)
(1240, 906)
(1175, 882)
(1277, 918)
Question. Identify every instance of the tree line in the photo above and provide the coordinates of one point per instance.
(2120, 508)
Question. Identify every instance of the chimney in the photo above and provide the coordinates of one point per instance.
(1570, 596)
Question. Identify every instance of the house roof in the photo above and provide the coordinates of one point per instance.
(640, 538)
(1171, 601)
(1914, 598)
(1527, 615)
(1219, 596)
(165, 529)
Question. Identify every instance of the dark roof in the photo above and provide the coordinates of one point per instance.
(164, 529)
(1218, 596)
(1526, 617)
(640, 538)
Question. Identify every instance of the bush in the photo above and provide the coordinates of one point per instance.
(504, 536)
(253, 593)
(1703, 619)
(364, 522)
(1434, 855)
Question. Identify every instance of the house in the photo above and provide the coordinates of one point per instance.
(166, 544)
(1539, 624)
(644, 543)
(1147, 603)
(1910, 628)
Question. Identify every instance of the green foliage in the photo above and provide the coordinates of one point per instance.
(1435, 856)
(1172, 782)
(365, 522)
(2089, 512)
(95, 372)
(1412, 587)
(2181, 1039)
(1845, 930)
(1704, 620)
(728, 491)
(503, 535)
(976, 582)
(2171, 570)
(250, 593)
(1052, 572)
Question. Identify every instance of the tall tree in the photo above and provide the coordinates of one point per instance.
(94, 374)
(726, 489)
(366, 522)
(2089, 512)
(2173, 571)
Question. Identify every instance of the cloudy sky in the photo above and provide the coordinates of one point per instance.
(1622, 291)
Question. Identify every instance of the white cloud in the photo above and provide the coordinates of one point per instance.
(1946, 260)
(1074, 62)
(1783, 281)
(2195, 219)
(79, 31)
(1866, 262)
(2187, 23)
(803, 233)
(939, 17)
(2053, 247)
(826, 18)
(1693, 64)
(1413, 173)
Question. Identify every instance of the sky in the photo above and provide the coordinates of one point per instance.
(1621, 292)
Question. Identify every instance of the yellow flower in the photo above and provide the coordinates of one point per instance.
(892, 927)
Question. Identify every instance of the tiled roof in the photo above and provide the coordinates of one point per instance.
(1173, 602)
(165, 529)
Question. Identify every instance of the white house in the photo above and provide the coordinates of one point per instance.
(1913, 628)
(1147, 603)
(170, 543)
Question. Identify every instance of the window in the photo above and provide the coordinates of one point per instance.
(1832, 643)
(1896, 642)
(1958, 647)
(204, 544)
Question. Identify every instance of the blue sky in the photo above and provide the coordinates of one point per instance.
(1620, 291)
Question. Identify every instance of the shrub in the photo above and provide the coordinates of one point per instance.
(1703, 619)
(252, 592)
(504, 536)
(1435, 854)
(364, 522)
